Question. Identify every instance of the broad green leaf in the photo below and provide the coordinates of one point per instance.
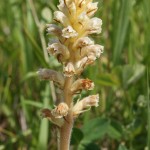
(107, 80)
(115, 130)
(135, 127)
(122, 147)
(95, 129)
(113, 133)
(90, 146)
(77, 136)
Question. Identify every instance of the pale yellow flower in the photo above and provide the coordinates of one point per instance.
(94, 26)
(82, 42)
(61, 18)
(58, 49)
(69, 32)
(91, 8)
(84, 104)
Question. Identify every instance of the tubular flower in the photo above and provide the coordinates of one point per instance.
(59, 50)
(94, 26)
(47, 74)
(82, 84)
(69, 70)
(91, 8)
(53, 29)
(82, 42)
(61, 18)
(84, 104)
(46, 113)
(56, 115)
(69, 32)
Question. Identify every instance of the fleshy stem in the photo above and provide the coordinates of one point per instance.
(66, 129)
(67, 92)
(65, 132)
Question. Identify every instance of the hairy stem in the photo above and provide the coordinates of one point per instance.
(66, 129)
(65, 133)
(67, 92)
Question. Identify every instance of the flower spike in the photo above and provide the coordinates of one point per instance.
(75, 50)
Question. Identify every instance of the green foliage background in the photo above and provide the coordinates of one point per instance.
(122, 120)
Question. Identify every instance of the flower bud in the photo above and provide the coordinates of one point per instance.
(60, 111)
(85, 104)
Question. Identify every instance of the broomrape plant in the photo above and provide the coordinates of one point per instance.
(75, 51)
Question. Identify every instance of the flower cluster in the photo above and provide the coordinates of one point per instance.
(75, 50)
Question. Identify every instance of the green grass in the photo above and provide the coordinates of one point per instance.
(148, 104)
(120, 77)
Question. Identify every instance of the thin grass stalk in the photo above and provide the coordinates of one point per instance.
(148, 109)
(40, 29)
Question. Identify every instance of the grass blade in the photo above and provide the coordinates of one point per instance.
(120, 29)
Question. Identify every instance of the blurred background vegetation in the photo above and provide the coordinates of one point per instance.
(121, 122)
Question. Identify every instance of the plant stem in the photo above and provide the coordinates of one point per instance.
(67, 92)
(148, 104)
(66, 129)
(65, 132)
